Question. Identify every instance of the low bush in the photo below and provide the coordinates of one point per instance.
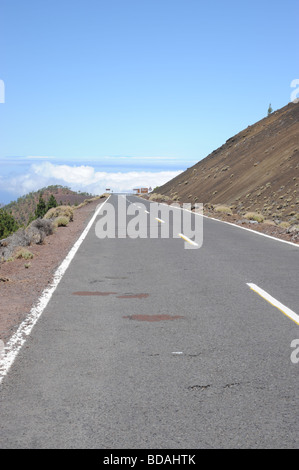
(254, 216)
(35, 233)
(61, 221)
(161, 197)
(39, 229)
(22, 253)
(269, 222)
(60, 211)
(36, 236)
(43, 225)
(223, 209)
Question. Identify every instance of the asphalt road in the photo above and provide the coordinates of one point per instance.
(174, 352)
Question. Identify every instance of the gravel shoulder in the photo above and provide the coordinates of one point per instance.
(267, 229)
(20, 287)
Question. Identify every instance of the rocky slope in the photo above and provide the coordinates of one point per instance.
(257, 170)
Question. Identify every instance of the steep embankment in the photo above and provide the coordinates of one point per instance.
(256, 170)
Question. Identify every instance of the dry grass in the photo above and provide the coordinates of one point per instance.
(160, 197)
(61, 221)
(269, 222)
(223, 209)
(22, 253)
(60, 211)
(254, 216)
(87, 201)
(284, 225)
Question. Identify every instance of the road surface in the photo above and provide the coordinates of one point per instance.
(147, 345)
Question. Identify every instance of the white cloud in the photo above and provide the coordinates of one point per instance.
(84, 178)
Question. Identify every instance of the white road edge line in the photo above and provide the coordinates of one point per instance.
(233, 225)
(285, 310)
(18, 339)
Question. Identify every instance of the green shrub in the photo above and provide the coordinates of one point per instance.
(41, 208)
(51, 203)
(8, 224)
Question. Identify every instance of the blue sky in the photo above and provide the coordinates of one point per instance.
(127, 86)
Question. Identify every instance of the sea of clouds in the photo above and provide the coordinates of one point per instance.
(92, 178)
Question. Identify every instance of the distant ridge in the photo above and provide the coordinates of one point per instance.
(24, 206)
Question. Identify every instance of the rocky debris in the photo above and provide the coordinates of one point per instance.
(272, 228)
(34, 234)
(254, 171)
(293, 229)
(26, 285)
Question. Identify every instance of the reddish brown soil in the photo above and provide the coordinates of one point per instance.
(256, 170)
(20, 287)
(272, 230)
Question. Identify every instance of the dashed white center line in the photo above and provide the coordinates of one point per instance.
(160, 220)
(285, 310)
(184, 237)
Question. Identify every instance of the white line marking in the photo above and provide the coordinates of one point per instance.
(285, 310)
(187, 239)
(233, 225)
(160, 220)
(230, 223)
(16, 342)
(147, 212)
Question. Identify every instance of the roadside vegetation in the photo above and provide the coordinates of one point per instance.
(254, 216)
(8, 224)
(44, 221)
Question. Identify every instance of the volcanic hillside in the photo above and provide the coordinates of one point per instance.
(256, 170)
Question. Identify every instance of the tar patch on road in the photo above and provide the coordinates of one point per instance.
(133, 296)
